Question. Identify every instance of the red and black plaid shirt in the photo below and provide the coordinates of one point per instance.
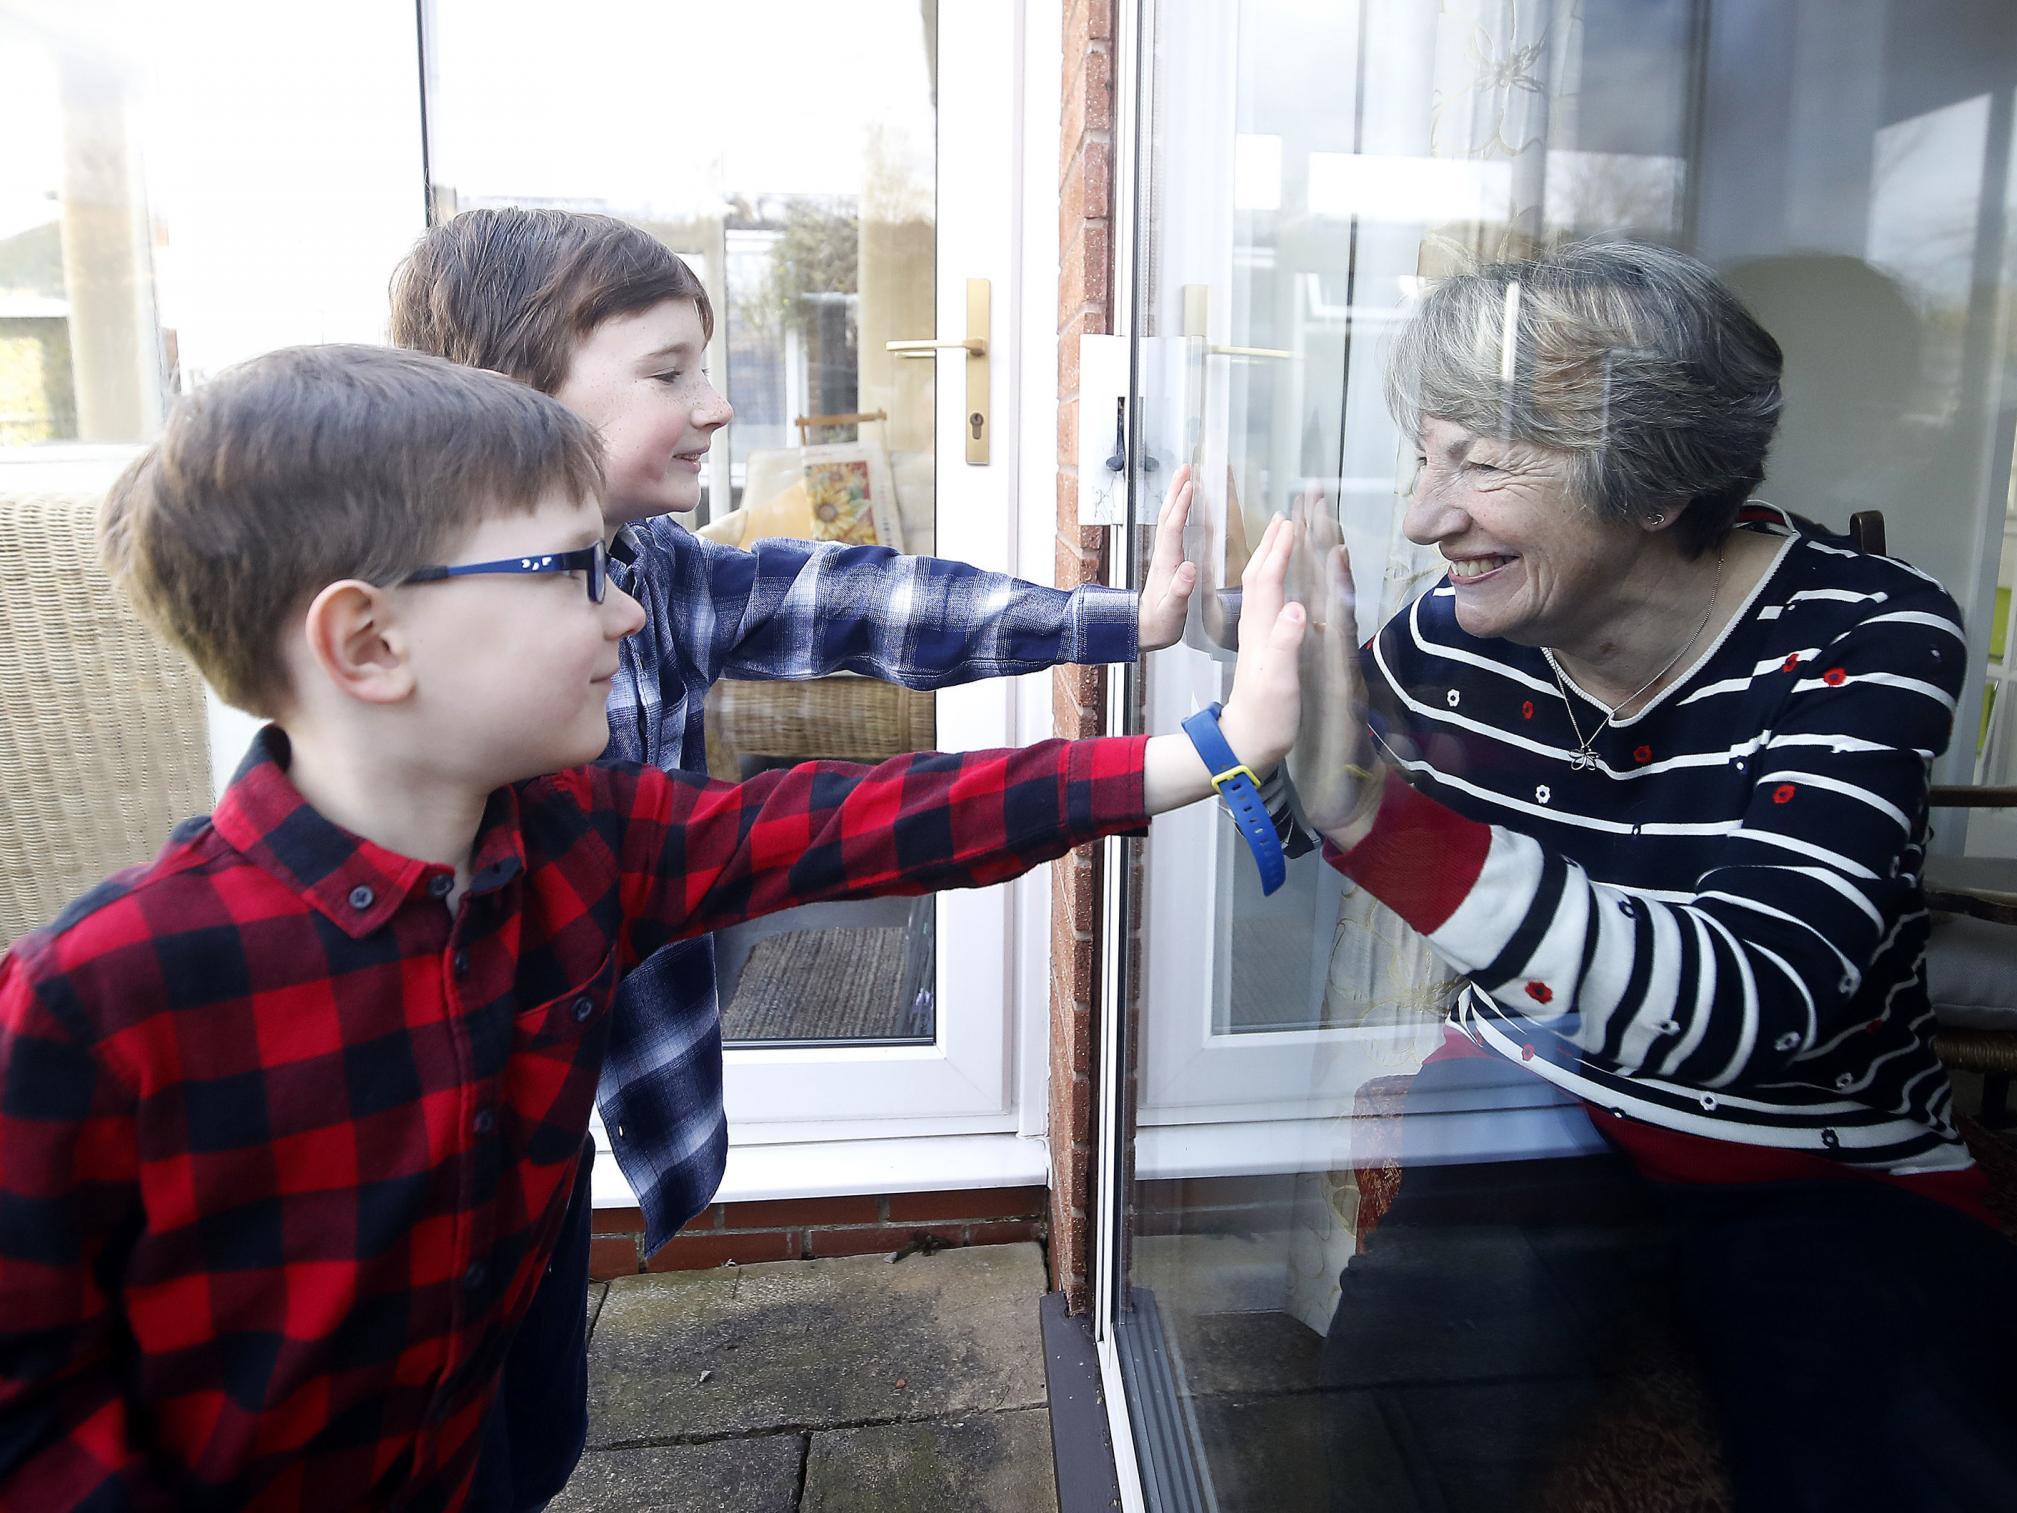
(284, 1144)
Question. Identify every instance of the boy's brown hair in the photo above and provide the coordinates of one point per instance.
(311, 465)
(518, 290)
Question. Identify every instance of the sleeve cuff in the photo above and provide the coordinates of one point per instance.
(1421, 859)
(1106, 625)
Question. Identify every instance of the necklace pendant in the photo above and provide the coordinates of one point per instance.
(1584, 760)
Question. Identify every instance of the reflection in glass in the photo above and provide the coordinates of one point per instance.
(788, 153)
(80, 356)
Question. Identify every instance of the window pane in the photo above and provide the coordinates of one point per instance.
(1355, 1216)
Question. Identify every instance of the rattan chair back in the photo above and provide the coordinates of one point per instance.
(103, 737)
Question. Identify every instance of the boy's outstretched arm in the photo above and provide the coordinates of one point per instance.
(799, 609)
(696, 855)
(67, 1192)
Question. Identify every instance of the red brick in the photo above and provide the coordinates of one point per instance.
(1067, 514)
(1081, 1101)
(1071, 111)
(616, 1221)
(801, 1213)
(1005, 1232)
(885, 1238)
(1098, 82)
(1096, 162)
(612, 1256)
(1086, 22)
(1072, 296)
(1064, 896)
(698, 1252)
(1098, 239)
(966, 1203)
(1072, 195)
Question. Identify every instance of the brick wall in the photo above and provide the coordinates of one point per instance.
(803, 1228)
(1085, 305)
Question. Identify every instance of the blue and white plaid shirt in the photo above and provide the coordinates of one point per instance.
(788, 609)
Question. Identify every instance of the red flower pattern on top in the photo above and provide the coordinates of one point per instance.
(1527, 709)
(1834, 677)
(1540, 992)
(1642, 754)
(1790, 663)
(1783, 794)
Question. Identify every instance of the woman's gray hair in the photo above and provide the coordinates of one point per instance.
(1635, 360)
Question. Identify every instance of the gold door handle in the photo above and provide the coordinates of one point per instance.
(973, 344)
(975, 347)
(1197, 305)
(1278, 354)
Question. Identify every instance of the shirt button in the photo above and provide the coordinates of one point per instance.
(473, 1277)
(441, 886)
(583, 1007)
(361, 897)
(484, 1122)
(460, 963)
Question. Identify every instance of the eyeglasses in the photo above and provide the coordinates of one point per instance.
(592, 560)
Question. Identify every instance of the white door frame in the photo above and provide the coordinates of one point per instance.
(967, 1081)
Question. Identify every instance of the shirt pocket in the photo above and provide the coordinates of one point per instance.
(567, 1018)
(555, 1061)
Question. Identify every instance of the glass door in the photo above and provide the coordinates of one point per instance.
(1300, 176)
(822, 169)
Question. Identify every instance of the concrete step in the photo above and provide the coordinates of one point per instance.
(850, 1383)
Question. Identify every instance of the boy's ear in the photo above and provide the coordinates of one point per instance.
(356, 642)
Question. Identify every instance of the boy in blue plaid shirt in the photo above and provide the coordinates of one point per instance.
(603, 317)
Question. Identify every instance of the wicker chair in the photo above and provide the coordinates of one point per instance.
(103, 737)
(841, 716)
(1974, 939)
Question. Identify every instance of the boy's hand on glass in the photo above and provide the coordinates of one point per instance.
(1263, 710)
(1166, 591)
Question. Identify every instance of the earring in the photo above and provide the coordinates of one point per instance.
(1656, 518)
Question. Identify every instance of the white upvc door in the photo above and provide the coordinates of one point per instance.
(294, 192)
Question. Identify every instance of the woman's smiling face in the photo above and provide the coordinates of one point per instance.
(1529, 562)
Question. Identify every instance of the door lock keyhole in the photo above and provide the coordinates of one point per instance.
(974, 422)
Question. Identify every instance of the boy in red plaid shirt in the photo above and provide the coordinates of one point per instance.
(289, 1117)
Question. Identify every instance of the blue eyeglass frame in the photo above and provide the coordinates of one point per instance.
(594, 560)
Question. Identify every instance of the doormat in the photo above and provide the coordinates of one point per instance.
(848, 983)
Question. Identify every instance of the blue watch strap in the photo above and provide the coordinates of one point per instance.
(1241, 790)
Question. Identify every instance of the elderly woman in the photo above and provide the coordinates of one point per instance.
(1650, 766)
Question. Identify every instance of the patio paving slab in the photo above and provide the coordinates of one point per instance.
(809, 1345)
(989, 1463)
(759, 1474)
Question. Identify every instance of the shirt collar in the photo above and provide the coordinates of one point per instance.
(354, 883)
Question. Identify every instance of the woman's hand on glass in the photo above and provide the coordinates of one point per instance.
(1337, 777)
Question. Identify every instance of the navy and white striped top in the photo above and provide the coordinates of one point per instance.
(1719, 930)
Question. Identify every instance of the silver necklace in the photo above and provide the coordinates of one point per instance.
(1585, 759)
